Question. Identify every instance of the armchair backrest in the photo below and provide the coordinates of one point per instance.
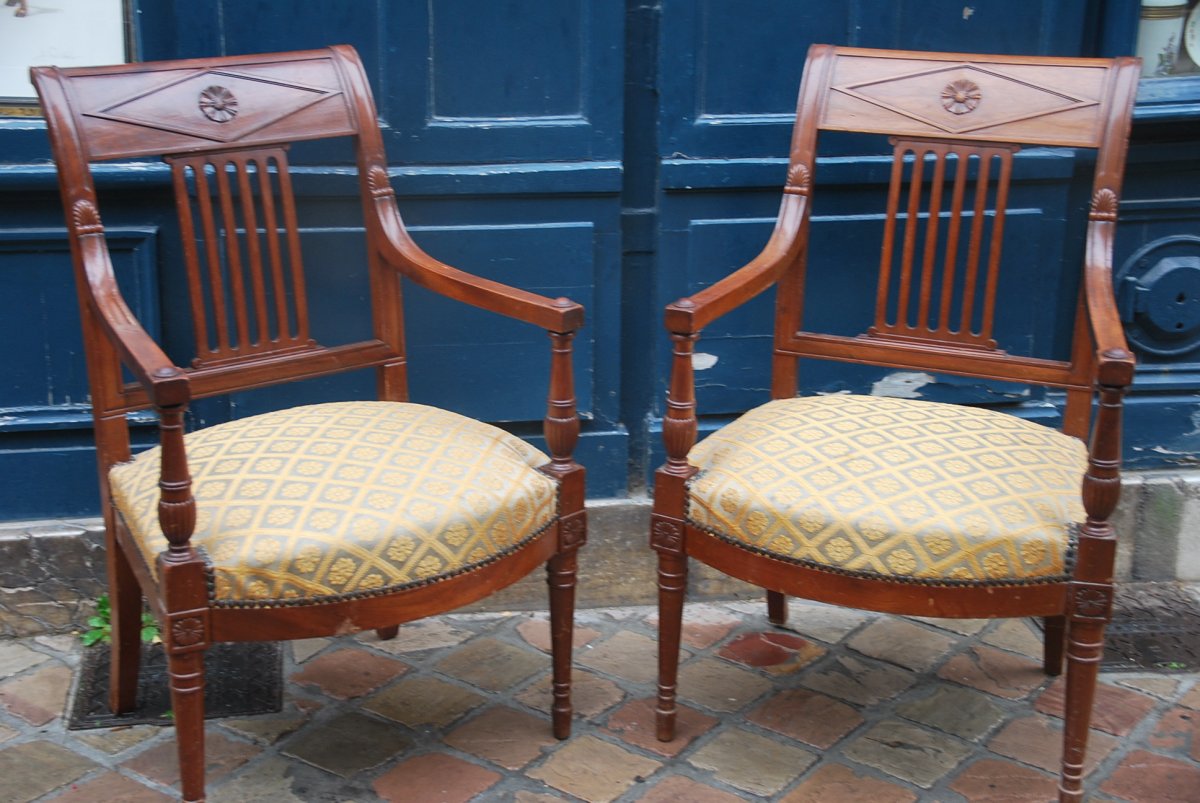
(224, 126)
(955, 122)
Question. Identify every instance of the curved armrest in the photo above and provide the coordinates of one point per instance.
(691, 314)
(1115, 362)
(400, 251)
(165, 383)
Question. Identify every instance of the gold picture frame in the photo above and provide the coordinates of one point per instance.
(66, 33)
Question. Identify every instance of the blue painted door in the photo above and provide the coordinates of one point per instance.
(502, 123)
(727, 77)
(620, 153)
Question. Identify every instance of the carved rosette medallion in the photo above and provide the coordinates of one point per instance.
(187, 631)
(666, 536)
(571, 532)
(1092, 602)
(218, 104)
(961, 96)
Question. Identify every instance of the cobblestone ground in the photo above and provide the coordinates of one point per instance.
(840, 706)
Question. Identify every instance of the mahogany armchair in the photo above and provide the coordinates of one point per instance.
(903, 505)
(321, 519)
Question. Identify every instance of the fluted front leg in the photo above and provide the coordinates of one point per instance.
(560, 576)
(666, 537)
(183, 580)
(1089, 606)
(562, 433)
(668, 528)
(186, 675)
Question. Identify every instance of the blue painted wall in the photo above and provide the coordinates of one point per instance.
(622, 154)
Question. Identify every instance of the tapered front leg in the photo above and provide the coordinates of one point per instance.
(1090, 593)
(1085, 648)
(668, 531)
(560, 575)
(186, 673)
(667, 540)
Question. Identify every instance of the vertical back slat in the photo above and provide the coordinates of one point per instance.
(962, 168)
(216, 284)
(997, 243)
(910, 233)
(931, 235)
(191, 258)
(284, 329)
(903, 325)
(293, 240)
(889, 244)
(243, 292)
(253, 252)
(978, 221)
(233, 252)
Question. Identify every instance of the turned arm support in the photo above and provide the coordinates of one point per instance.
(688, 316)
(679, 423)
(560, 317)
(165, 384)
(176, 504)
(561, 425)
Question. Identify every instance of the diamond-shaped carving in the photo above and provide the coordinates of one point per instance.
(922, 97)
(180, 105)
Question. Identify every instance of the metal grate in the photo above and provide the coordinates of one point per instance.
(1156, 626)
(240, 679)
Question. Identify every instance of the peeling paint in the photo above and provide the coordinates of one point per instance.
(968, 12)
(702, 361)
(901, 384)
(1180, 458)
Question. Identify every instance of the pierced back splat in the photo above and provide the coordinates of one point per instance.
(949, 306)
(241, 247)
(956, 121)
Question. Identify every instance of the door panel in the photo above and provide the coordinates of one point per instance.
(623, 154)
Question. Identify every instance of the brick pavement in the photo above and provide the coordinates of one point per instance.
(841, 706)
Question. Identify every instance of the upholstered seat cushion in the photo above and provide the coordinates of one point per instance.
(346, 499)
(896, 488)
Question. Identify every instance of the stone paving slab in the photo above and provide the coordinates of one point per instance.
(838, 706)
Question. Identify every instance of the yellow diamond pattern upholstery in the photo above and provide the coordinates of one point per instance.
(345, 499)
(896, 488)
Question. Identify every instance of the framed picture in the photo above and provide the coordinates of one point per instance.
(64, 33)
